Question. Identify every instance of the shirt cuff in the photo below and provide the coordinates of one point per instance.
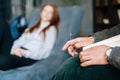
(108, 52)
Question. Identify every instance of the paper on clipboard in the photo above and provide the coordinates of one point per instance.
(112, 42)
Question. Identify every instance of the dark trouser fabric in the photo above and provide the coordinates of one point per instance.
(41, 70)
(71, 70)
(8, 61)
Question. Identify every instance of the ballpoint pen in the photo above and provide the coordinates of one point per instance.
(70, 35)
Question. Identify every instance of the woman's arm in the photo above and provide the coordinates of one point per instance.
(19, 42)
(107, 33)
(44, 52)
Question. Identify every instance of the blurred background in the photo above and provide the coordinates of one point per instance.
(79, 17)
(98, 14)
(13, 8)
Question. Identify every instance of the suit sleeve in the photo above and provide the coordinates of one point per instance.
(114, 58)
(107, 33)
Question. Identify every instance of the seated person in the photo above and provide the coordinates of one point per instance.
(96, 63)
(35, 43)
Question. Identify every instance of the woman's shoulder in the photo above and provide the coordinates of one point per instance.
(52, 29)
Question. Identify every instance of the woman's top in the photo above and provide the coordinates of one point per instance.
(35, 46)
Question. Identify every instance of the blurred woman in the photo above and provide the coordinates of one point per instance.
(37, 41)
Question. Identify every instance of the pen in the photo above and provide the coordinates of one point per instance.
(70, 35)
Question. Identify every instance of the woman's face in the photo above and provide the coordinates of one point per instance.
(47, 13)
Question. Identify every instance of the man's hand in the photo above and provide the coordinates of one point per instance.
(74, 44)
(94, 56)
(18, 52)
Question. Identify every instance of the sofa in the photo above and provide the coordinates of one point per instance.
(71, 18)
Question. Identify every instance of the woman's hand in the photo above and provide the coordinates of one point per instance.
(18, 52)
(75, 44)
(94, 56)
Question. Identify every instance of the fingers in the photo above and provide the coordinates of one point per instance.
(18, 52)
(79, 45)
(79, 42)
(12, 52)
(70, 43)
(84, 58)
(84, 55)
(93, 56)
(87, 63)
(22, 52)
(72, 51)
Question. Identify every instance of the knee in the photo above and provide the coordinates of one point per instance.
(73, 61)
(67, 68)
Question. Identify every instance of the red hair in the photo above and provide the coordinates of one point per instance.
(54, 21)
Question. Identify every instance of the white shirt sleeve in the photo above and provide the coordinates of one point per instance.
(44, 52)
(108, 52)
(19, 42)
